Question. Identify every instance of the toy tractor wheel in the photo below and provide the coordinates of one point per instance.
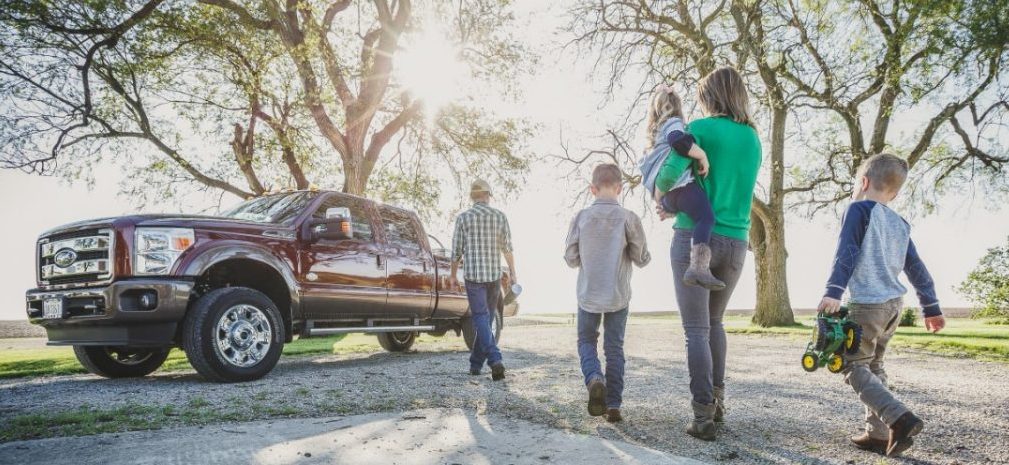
(821, 336)
(835, 364)
(852, 338)
(809, 362)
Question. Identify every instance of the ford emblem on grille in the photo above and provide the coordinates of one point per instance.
(65, 258)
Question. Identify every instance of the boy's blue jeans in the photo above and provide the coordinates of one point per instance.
(483, 300)
(614, 324)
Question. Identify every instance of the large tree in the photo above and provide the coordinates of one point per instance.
(248, 96)
(830, 81)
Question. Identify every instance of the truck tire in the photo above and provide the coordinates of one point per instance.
(397, 342)
(469, 334)
(120, 362)
(233, 334)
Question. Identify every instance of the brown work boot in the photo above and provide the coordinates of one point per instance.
(703, 424)
(719, 404)
(901, 432)
(497, 371)
(597, 397)
(613, 415)
(699, 271)
(869, 443)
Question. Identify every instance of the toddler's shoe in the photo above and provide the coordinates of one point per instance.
(613, 415)
(597, 397)
(869, 443)
(901, 432)
(699, 271)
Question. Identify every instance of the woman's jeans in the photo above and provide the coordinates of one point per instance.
(701, 310)
(483, 299)
(614, 324)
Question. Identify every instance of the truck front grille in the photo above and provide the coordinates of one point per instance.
(76, 258)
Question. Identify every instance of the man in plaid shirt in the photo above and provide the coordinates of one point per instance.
(481, 236)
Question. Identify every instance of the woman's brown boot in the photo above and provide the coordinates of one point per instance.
(719, 404)
(699, 271)
(703, 424)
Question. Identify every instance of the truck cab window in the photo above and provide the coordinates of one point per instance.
(400, 230)
(359, 222)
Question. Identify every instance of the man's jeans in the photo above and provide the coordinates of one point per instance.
(865, 371)
(483, 300)
(614, 324)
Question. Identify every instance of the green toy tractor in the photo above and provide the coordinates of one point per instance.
(833, 336)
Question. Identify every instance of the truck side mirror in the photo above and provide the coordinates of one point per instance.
(335, 228)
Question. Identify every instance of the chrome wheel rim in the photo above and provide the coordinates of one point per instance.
(401, 338)
(128, 357)
(243, 335)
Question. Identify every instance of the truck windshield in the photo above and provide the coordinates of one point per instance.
(277, 209)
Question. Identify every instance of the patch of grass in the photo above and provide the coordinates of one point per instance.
(87, 420)
(49, 361)
(82, 421)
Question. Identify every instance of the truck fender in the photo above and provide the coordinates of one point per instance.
(201, 259)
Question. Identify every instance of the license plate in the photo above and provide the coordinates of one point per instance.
(52, 309)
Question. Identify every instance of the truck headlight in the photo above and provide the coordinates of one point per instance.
(157, 249)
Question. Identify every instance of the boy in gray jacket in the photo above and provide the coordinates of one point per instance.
(604, 240)
(873, 248)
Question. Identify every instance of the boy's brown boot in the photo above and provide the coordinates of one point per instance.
(699, 271)
(613, 415)
(719, 404)
(703, 424)
(901, 432)
(869, 443)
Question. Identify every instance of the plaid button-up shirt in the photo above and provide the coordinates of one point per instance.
(481, 236)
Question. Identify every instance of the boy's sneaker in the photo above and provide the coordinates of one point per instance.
(597, 397)
(869, 443)
(613, 415)
(497, 371)
(901, 432)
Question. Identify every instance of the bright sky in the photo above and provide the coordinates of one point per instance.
(559, 96)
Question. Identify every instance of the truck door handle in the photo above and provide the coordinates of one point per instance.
(378, 261)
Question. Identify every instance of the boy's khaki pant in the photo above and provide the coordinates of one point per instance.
(864, 371)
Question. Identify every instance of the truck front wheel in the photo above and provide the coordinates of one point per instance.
(120, 362)
(233, 334)
(397, 342)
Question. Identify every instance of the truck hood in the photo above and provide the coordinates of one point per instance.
(202, 222)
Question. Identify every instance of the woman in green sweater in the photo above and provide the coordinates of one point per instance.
(728, 137)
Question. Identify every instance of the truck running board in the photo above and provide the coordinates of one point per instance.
(310, 332)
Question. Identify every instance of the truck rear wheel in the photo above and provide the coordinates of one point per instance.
(397, 342)
(120, 362)
(233, 334)
(469, 333)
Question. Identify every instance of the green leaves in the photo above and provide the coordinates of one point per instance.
(988, 285)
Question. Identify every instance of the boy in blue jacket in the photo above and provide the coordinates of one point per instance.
(874, 247)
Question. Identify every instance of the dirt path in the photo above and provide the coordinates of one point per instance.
(777, 412)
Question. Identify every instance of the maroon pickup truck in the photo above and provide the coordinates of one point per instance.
(231, 290)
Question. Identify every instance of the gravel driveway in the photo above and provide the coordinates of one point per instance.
(777, 412)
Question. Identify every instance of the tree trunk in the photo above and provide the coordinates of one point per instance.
(767, 239)
(355, 174)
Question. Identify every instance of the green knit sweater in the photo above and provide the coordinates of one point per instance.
(734, 155)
